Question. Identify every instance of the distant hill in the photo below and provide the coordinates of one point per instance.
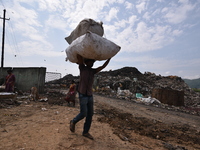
(195, 83)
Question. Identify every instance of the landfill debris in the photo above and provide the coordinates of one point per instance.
(150, 100)
(123, 84)
(44, 99)
(7, 95)
(130, 81)
(43, 109)
(139, 95)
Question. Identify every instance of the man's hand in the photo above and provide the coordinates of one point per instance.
(80, 59)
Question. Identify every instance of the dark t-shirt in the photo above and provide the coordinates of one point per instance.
(86, 79)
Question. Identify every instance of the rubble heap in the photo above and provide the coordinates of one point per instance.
(62, 83)
(132, 81)
(130, 84)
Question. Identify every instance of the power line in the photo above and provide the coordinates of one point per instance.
(15, 42)
(13, 38)
(9, 43)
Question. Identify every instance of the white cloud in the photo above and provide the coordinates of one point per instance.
(85, 9)
(27, 16)
(120, 1)
(167, 72)
(160, 0)
(177, 13)
(141, 7)
(160, 65)
(54, 5)
(150, 62)
(128, 5)
(132, 20)
(177, 32)
(112, 14)
(42, 5)
(50, 6)
(144, 38)
(120, 24)
(146, 16)
(37, 48)
(183, 1)
(190, 76)
(56, 22)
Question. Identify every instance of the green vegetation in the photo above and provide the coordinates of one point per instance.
(196, 90)
(195, 83)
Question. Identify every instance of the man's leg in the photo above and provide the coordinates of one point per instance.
(90, 112)
(83, 112)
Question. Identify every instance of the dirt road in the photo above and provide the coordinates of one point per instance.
(117, 124)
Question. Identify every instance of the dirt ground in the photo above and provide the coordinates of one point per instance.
(117, 125)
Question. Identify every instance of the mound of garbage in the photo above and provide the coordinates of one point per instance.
(129, 83)
(129, 78)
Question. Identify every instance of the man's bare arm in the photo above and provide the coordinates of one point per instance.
(103, 66)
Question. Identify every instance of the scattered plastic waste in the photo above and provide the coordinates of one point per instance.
(44, 109)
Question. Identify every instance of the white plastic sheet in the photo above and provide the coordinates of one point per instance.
(150, 100)
(84, 26)
(91, 46)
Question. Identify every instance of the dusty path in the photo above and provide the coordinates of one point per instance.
(150, 112)
(117, 125)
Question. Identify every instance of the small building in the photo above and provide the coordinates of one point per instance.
(26, 77)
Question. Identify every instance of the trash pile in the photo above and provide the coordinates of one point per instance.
(129, 84)
(126, 84)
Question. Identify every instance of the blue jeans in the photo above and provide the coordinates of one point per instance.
(86, 110)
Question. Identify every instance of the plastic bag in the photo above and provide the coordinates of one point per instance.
(84, 26)
(91, 46)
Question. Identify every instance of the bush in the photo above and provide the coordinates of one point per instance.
(196, 90)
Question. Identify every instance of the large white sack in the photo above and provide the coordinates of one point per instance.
(84, 26)
(91, 46)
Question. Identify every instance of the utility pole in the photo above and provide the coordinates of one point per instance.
(3, 37)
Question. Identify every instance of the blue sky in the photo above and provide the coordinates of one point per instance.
(159, 36)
